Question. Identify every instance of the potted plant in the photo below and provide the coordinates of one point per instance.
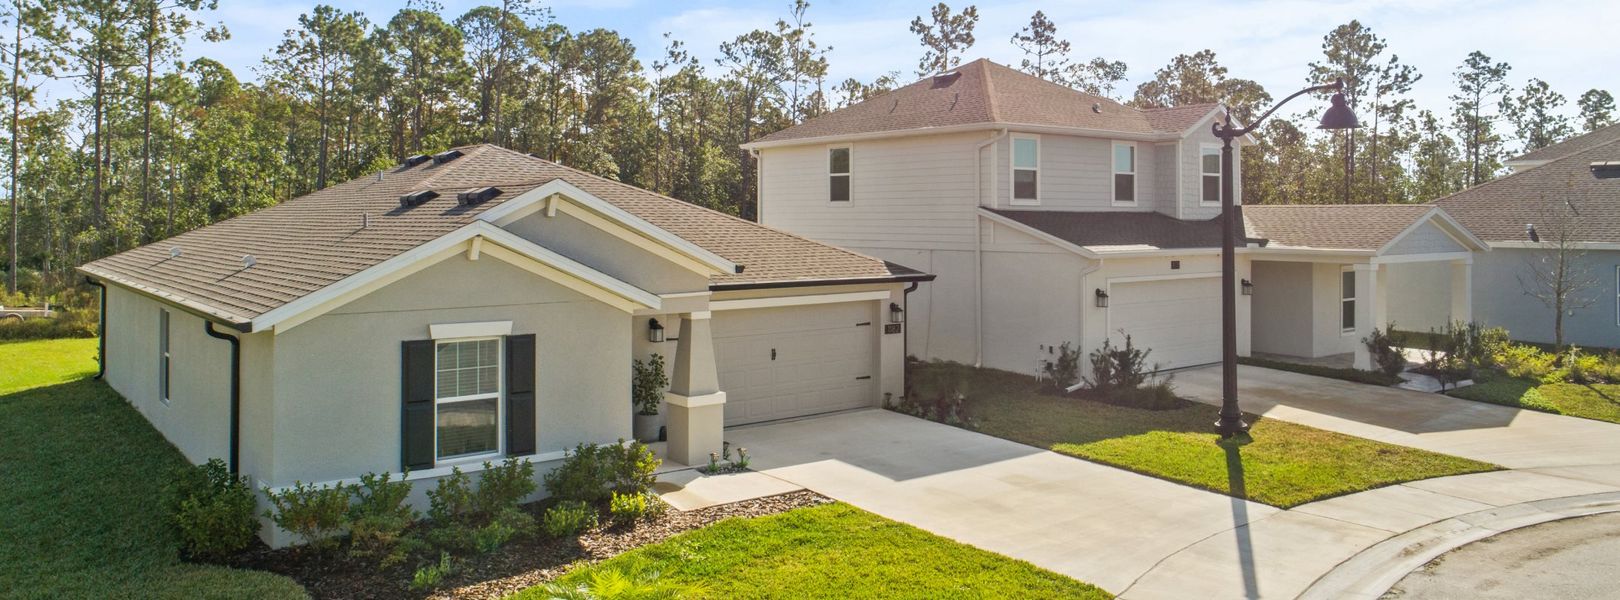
(647, 385)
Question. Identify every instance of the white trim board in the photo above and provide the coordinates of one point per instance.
(485, 329)
(779, 301)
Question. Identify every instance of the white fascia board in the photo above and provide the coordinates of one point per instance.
(801, 300)
(1262, 251)
(1038, 234)
(1550, 244)
(985, 126)
(1428, 257)
(445, 331)
(527, 202)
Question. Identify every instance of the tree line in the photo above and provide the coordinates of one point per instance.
(148, 145)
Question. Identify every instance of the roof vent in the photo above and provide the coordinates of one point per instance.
(477, 195)
(1096, 107)
(416, 160)
(446, 156)
(248, 261)
(417, 198)
(946, 79)
(174, 252)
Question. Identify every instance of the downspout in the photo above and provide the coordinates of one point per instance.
(905, 336)
(1084, 273)
(759, 187)
(978, 242)
(101, 330)
(236, 389)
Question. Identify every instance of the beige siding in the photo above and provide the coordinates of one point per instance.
(1192, 207)
(1166, 186)
(196, 418)
(1031, 301)
(1427, 239)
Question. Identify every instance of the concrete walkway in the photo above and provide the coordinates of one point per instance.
(1143, 537)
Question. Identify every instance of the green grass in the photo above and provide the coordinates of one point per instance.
(1356, 375)
(1599, 401)
(1284, 464)
(38, 363)
(834, 551)
(82, 475)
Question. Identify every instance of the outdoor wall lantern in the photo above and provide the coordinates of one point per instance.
(896, 314)
(655, 331)
(1248, 288)
(1102, 298)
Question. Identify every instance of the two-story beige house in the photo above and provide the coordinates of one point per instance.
(1051, 216)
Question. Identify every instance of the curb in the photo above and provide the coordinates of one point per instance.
(1376, 569)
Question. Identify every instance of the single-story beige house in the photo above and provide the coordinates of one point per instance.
(480, 304)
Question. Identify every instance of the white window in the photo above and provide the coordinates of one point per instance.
(1026, 170)
(838, 173)
(1347, 300)
(1209, 163)
(467, 398)
(1124, 173)
(163, 355)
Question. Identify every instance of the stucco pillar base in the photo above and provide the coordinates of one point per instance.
(1462, 290)
(696, 427)
(1368, 315)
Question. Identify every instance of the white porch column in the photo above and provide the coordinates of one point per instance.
(697, 407)
(1368, 313)
(1462, 290)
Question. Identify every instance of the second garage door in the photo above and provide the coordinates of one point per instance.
(776, 363)
(1178, 319)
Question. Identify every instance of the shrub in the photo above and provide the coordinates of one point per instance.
(451, 501)
(1156, 396)
(315, 513)
(626, 509)
(1386, 347)
(379, 516)
(505, 525)
(68, 323)
(430, 576)
(1063, 372)
(501, 487)
(1115, 368)
(1524, 362)
(568, 518)
(211, 510)
(647, 384)
(592, 473)
(938, 393)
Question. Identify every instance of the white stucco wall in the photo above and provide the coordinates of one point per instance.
(196, 419)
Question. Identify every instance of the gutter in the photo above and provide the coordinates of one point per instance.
(771, 285)
(101, 329)
(905, 336)
(236, 390)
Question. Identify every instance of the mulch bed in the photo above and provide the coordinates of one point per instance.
(520, 564)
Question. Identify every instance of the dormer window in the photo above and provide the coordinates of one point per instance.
(1209, 162)
(1026, 168)
(1124, 173)
(838, 174)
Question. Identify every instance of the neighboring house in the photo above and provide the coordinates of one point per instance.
(1552, 187)
(1053, 216)
(480, 304)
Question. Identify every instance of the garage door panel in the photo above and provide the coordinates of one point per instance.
(1177, 319)
(822, 352)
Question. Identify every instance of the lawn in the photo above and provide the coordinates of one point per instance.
(1284, 464)
(82, 473)
(833, 551)
(1599, 401)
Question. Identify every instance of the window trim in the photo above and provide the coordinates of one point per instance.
(500, 402)
(1114, 173)
(165, 356)
(1013, 168)
(850, 174)
(1352, 300)
(1201, 175)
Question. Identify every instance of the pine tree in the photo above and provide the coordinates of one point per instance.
(945, 38)
(1479, 84)
(1534, 115)
(1597, 110)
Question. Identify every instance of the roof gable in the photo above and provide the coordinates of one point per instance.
(1373, 229)
(1580, 143)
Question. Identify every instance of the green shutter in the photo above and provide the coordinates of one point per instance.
(520, 419)
(416, 416)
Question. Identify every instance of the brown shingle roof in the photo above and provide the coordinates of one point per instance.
(983, 92)
(1097, 230)
(1581, 143)
(1498, 210)
(1331, 226)
(1178, 118)
(311, 242)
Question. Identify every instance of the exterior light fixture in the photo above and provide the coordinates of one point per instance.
(896, 314)
(655, 331)
(1248, 288)
(1102, 298)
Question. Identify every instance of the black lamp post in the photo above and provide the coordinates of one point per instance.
(1338, 116)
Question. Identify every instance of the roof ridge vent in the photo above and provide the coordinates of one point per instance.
(446, 156)
(416, 160)
(477, 196)
(417, 198)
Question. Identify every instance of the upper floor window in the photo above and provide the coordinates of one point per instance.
(1209, 163)
(1124, 172)
(163, 355)
(1026, 169)
(838, 174)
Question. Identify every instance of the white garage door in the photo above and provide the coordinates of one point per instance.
(777, 363)
(1178, 319)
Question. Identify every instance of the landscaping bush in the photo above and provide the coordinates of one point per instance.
(592, 473)
(1116, 368)
(626, 509)
(937, 392)
(379, 517)
(568, 518)
(68, 323)
(1064, 372)
(1524, 361)
(501, 487)
(429, 576)
(451, 500)
(647, 384)
(211, 510)
(485, 519)
(1157, 396)
(315, 513)
(502, 528)
(1386, 346)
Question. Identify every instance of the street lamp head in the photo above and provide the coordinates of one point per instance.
(1338, 115)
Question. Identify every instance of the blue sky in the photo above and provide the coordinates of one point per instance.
(1569, 43)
